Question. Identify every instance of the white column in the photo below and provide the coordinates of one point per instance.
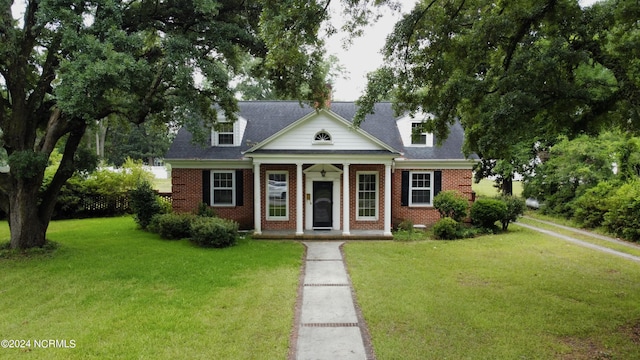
(257, 202)
(345, 200)
(299, 200)
(387, 199)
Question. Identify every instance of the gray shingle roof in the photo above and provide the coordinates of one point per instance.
(265, 118)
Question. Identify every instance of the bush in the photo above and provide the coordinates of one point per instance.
(624, 207)
(205, 210)
(591, 207)
(172, 226)
(406, 225)
(515, 209)
(144, 203)
(485, 212)
(452, 204)
(446, 229)
(214, 232)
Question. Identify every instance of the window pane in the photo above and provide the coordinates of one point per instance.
(421, 196)
(277, 202)
(225, 139)
(222, 188)
(417, 135)
(367, 195)
(222, 196)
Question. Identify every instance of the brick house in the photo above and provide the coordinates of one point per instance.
(286, 169)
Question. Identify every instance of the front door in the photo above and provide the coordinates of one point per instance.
(322, 204)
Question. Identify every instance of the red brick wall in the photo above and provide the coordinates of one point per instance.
(186, 195)
(451, 180)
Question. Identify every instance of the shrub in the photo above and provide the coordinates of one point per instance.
(485, 212)
(144, 203)
(591, 207)
(205, 210)
(515, 209)
(446, 229)
(452, 204)
(172, 226)
(624, 207)
(406, 225)
(214, 232)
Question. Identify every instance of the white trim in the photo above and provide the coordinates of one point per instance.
(387, 200)
(430, 188)
(207, 164)
(233, 188)
(320, 158)
(311, 176)
(377, 196)
(443, 164)
(299, 200)
(269, 199)
(346, 193)
(257, 202)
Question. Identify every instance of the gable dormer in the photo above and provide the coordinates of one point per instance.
(228, 133)
(411, 132)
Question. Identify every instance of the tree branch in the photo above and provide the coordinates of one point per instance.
(523, 30)
(65, 170)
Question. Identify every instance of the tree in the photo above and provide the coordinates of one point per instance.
(144, 142)
(513, 73)
(573, 167)
(67, 64)
(252, 87)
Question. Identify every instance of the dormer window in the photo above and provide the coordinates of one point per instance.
(322, 137)
(419, 136)
(225, 134)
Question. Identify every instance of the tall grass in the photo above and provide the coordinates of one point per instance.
(122, 293)
(518, 295)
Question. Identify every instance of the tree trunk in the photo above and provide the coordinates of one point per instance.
(27, 228)
(507, 186)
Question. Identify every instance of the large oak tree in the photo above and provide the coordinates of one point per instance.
(516, 74)
(66, 64)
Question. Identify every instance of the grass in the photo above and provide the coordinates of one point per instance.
(518, 295)
(486, 188)
(125, 294)
(162, 185)
(627, 248)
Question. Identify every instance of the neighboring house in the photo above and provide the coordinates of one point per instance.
(287, 169)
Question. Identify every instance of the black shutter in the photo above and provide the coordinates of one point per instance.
(206, 187)
(404, 195)
(437, 182)
(239, 188)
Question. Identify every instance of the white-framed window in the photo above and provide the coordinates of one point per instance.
(419, 136)
(367, 196)
(225, 133)
(421, 189)
(322, 137)
(277, 195)
(223, 188)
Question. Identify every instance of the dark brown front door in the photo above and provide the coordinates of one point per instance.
(322, 204)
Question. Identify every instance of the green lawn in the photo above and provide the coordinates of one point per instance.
(519, 295)
(123, 293)
(486, 188)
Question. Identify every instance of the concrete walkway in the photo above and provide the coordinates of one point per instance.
(329, 324)
(581, 242)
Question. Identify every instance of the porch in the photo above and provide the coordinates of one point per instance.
(322, 235)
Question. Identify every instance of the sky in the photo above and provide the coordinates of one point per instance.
(364, 55)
